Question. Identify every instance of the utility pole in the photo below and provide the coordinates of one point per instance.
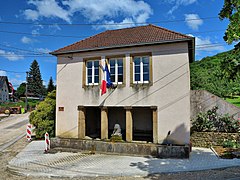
(26, 92)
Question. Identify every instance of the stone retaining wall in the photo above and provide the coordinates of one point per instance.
(124, 148)
(208, 139)
(202, 100)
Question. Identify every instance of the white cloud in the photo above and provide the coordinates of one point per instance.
(37, 28)
(18, 76)
(35, 32)
(10, 55)
(127, 22)
(193, 21)
(46, 8)
(45, 83)
(16, 82)
(205, 44)
(55, 27)
(93, 11)
(3, 73)
(31, 14)
(42, 50)
(178, 3)
(26, 40)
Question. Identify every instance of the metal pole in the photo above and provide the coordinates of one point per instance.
(26, 101)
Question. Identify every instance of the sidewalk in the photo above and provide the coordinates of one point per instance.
(32, 161)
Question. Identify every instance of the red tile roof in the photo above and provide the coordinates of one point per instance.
(140, 35)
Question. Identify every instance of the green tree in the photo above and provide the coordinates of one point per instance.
(51, 86)
(231, 11)
(35, 83)
(230, 65)
(43, 118)
(21, 90)
(210, 74)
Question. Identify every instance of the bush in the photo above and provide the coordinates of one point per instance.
(43, 118)
(231, 144)
(116, 138)
(211, 121)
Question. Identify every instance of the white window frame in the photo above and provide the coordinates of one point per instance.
(141, 70)
(116, 70)
(93, 72)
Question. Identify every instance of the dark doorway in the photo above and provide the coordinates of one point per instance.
(142, 124)
(93, 122)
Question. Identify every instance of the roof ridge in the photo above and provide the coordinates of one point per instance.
(133, 27)
(159, 27)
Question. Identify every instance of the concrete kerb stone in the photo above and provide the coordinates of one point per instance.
(33, 162)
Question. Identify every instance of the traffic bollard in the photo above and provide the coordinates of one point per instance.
(47, 142)
(29, 132)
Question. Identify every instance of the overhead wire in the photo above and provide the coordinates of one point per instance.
(109, 24)
(22, 51)
(11, 71)
(70, 36)
(198, 47)
(38, 34)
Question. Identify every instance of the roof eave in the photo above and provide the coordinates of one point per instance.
(121, 46)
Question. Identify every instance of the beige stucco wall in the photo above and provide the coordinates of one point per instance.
(170, 91)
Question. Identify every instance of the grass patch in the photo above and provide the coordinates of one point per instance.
(235, 100)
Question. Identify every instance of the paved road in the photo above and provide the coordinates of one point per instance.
(12, 129)
(34, 162)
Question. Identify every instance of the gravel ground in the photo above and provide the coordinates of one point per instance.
(219, 174)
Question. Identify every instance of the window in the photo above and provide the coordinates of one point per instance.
(141, 69)
(92, 72)
(116, 70)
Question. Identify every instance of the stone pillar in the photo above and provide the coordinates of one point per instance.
(155, 123)
(81, 122)
(129, 124)
(104, 123)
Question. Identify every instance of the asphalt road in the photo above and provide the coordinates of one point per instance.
(12, 129)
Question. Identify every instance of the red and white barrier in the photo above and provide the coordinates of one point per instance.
(47, 142)
(29, 132)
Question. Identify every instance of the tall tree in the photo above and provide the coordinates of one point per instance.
(231, 64)
(51, 86)
(35, 83)
(231, 11)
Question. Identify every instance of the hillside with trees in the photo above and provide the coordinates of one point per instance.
(213, 74)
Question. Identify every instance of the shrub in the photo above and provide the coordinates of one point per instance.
(116, 138)
(211, 121)
(228, 124)
(204, 121)
(231, 144)
(43, 118)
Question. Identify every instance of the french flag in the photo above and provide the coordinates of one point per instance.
(106, 82)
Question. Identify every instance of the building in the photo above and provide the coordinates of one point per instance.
(4, 89)
(150, 100)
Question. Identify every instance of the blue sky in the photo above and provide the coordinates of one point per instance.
(29, 29)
